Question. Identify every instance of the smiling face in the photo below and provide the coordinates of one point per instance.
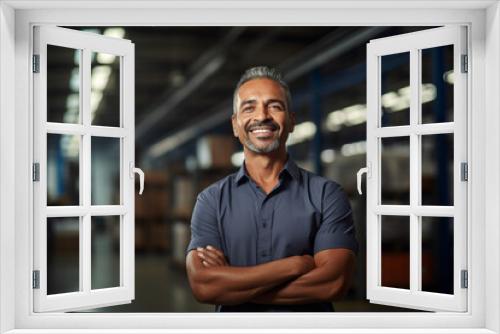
(262, 122)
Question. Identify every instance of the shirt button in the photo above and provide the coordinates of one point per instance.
(264, 225)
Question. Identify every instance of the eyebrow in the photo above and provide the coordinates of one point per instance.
(276, 100)
(248, 101)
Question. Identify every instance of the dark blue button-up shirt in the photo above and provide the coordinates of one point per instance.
(304, 214)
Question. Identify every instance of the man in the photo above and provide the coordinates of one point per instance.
(271, 237)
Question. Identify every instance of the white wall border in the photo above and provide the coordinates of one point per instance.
(7, 167)
(483, 124)
(492, 167)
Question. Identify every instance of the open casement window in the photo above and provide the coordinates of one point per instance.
(417, 170)
(83, 170)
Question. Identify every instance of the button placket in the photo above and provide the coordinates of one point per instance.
(264, 239)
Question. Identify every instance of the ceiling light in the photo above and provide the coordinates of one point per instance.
(100, 76)
(449, 77)
(355, 114)
(115, 32)
(76, 57)
(105, 58)
(428, 93)
(74, 80)
(328, 156)
(237, 159)
(301, 133)
(353, 148)
(95, 99)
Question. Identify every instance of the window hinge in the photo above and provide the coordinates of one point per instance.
(464, 279)
(465, 67)
(36, 279)
(36, 63)
(464, 171)
(36, 171)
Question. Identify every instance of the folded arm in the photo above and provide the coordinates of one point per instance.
(328, 281)
(213, 281)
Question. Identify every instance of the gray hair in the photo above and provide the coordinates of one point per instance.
(262, 72)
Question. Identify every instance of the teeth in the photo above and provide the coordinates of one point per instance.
(261, 130)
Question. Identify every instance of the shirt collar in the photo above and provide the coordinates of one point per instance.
(290, 167)
(242, 174)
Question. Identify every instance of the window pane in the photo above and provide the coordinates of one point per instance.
(105, 252)
(63, 84)
(105, 171)
(105, 94)
(395, 89)
(63, 178)
(63, 255)
(437, 254)
(437, 84)
(395, 251)
(437, 169)
(395, 173)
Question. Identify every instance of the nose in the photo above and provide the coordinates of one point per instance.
(262, 112)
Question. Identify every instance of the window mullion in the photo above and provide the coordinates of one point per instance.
(85, 246)
(415, 245)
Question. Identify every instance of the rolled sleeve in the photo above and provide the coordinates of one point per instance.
(204, 230)
(337, 225)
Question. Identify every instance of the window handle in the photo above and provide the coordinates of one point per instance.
(360, 173)
(135, 170)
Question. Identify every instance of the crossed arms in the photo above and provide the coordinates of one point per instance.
(292, 280)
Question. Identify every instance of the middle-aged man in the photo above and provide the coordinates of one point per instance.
(272, 236)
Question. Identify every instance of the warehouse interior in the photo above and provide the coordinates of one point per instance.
(184, 83)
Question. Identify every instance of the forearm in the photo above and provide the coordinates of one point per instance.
(233, 285)
(328, 281)
(233, 297)
(311, 287)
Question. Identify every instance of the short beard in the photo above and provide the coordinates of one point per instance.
(269, 148)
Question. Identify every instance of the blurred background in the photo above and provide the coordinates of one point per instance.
(184, 83)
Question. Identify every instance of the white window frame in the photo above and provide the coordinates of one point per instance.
(413, 43)
(86, 43)
(483, 19)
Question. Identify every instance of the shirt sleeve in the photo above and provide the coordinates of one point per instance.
(337, 225)
(204, 230)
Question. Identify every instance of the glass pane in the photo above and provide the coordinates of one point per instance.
(395, 89)
(437, 254)
(105, 93)
(395, 172)
(437, 84)
(105, 252)
(396, 251)
(63, 255)
(63, 171)
(437, 169)
(105, 171)
(63, 84)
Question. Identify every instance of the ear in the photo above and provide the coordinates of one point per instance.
(235, 125)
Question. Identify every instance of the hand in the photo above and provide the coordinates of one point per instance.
(211, 256)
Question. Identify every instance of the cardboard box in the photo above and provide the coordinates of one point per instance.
(183, 196)
(181, 235)
(215, 151)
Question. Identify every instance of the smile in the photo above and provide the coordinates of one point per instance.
(262, 130)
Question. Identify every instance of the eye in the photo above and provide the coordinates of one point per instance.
(247, 109)
(276, 106)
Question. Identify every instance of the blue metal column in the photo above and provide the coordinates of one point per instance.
(317, 143)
